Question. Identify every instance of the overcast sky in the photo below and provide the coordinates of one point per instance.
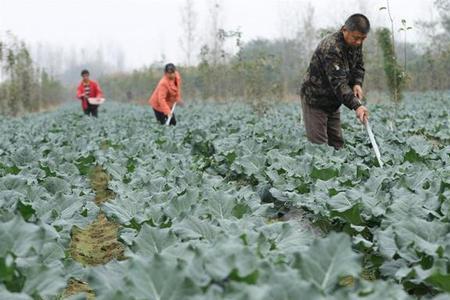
(146, 29)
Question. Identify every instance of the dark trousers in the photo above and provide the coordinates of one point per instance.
(322, 127)
(162, 118)
(91, 110)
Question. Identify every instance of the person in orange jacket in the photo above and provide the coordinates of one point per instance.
(166, 94)
(88, 89)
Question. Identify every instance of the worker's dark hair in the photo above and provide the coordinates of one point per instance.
(170, 68)
(358, 22)
(84, 72)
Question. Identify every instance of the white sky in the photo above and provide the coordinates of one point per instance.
(146, 29)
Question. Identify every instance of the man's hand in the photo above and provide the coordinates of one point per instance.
(358, 91)
(362, 113)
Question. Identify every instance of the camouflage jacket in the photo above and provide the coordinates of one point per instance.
(334, 69)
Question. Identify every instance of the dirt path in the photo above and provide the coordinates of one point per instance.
(97, 243)
(75, 287)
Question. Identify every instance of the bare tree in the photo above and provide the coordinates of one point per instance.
(309, 30)
(215, 23)
(443, 7)
(289, 18)
(188, 41)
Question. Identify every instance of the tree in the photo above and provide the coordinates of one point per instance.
(394, 73)
(24, 87)
(215, 43)
(393, 59)
(444, 11)
(309, 32)
(392, 69)
(189, 24)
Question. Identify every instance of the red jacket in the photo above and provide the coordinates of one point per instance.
(96, 92)
(166, 94)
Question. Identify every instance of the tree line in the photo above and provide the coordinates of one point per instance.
(223, 66)
(24, 87)
(263, 70)
(41, 77)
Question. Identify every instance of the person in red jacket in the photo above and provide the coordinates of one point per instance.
(166, 94)
(88, 89)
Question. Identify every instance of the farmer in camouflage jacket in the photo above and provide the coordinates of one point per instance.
(334, 77)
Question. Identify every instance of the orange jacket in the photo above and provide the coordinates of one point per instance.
(96, 92)
(167, 92)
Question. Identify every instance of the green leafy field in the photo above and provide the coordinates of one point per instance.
(227, 205)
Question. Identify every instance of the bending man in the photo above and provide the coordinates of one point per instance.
(334, 77)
